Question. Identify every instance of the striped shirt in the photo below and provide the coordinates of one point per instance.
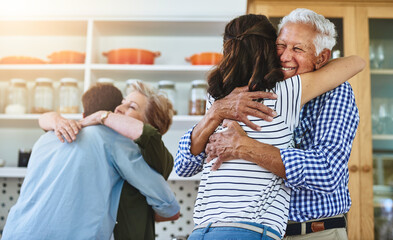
(241, 190)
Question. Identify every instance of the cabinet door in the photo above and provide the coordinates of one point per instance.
(343, 16)
(378, 49)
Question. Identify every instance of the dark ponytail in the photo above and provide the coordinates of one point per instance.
(250, 57)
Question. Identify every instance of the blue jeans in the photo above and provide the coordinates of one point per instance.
(231, 233)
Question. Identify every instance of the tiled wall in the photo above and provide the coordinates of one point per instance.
(185, 192)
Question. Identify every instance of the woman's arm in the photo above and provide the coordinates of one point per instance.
(127, 126)
(330, 76)
(62, 127)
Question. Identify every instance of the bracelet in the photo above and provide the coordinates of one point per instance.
(104, 116)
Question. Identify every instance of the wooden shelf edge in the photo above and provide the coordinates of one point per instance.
(383, 137)
(13, 172)
(174, 177)
(381, 71)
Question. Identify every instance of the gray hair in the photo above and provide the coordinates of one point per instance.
(326, 32)
(159, 110)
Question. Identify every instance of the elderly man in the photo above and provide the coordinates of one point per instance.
(317, 169)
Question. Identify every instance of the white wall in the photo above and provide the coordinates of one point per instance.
(122, 8)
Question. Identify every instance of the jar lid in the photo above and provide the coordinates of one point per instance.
(68, 80)
(43, 80)
(199, 83)
(18, 80)
(105, 80)
(166, 83)
(132, 80)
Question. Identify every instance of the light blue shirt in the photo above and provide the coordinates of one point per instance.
(72, 190)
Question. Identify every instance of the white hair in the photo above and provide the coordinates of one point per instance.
(326, 32)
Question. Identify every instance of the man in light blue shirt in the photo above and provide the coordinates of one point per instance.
(72, 190)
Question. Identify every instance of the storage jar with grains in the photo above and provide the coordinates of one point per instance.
(43, 96)
(168, 87)
(197, 103)
(17, 97)
(69, 96)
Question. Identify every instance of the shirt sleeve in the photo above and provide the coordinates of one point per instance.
(154, 151)
(133, 168)
(324, 162)
(187, 164)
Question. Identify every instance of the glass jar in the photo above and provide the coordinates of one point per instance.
(69, 96)
(197, 102)
(105, 81)
(2, 98)
(17, 97)
(129, 87)
(43, 96)
(168, 87)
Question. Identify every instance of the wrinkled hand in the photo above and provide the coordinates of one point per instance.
(239, 104)
(67, 128)
(222, 145)
(92, 119)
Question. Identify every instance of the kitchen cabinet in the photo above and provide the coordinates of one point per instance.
(175, 38)
(364, 28)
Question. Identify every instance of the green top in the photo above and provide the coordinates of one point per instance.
(135, 218)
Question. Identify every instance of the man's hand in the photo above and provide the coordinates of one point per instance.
(224, 145)
(241, 103)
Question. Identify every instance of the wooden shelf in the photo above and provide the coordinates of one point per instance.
(42, 67)
(383, 137)
(381, 71)
(161, 26)
(13, 172)
(155, 73)
(40, 27)
(174, 177)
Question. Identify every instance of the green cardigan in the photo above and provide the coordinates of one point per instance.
(135, 218)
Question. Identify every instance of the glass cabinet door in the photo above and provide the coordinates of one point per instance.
(381, 70)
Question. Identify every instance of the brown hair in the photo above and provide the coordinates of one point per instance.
(159, 110)
(250, 57)
(101, 97)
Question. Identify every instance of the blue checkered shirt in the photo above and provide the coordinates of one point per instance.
(317, 170)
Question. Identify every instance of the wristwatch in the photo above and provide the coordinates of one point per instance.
(104, 116)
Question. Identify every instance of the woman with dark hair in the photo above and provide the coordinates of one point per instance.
(242, 200)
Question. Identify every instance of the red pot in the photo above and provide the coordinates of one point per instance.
(21, 60)
(131, 56)
(205, 58)
(67, 57)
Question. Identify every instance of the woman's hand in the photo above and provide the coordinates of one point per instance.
(66, 128)
(92, 119)
(62, 127)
